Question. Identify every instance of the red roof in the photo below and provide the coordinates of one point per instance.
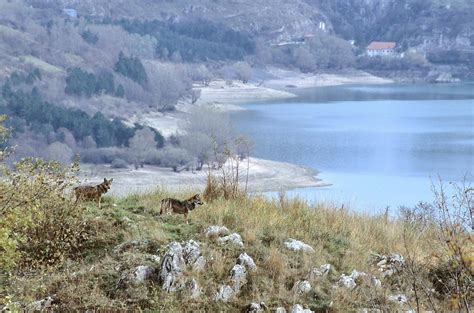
(380, 45)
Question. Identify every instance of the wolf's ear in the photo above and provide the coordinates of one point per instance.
(111, 180)
(105, 180)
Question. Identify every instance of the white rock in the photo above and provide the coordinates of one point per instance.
(400, 298)
(349, 281)
(376, 282)
(172, 266)
(302, 287)
(388, 264)
(297, 245)
(216, 230)
(316, 272)
(280, 309)
(143, 273)
(298, 308)
(225, 293)
(233, 238)
(238, 276)
(191, 251)
(200, 264)
(136, 276)
(175, 260)
(42, 304)
(245, 260)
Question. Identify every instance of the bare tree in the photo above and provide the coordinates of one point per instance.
(141, 144)
(243, 71)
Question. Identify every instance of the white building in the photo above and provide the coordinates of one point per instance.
(381, 48)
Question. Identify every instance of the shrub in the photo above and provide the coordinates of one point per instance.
(119, 163)
(38, 224)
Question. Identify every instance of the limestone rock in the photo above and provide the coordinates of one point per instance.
(172, 266)
(232, 238)
(298, 308)
(42, 304)
(245, 260)
(216, 230)
(136, 276)
(302, 286)
(321, 271)
(238, 276)
(280, 309)
(297, 245)
(388, 264)
(224, 293)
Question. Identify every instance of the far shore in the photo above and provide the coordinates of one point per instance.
(264, 175)
(226, 96)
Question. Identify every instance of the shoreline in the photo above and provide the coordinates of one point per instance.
(264, 176)
(226, 96)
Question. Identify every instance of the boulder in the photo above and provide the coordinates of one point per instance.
(296, 245)
(172, 267)
(245, 260)
(302, 286)
(298, 308)
(321, 271)
(280, 309)
(238, 276)
(216, 230)
(388, 264)
(232, 238)
(175, 260)
(349, 281)
(136, 276)
(224, 293)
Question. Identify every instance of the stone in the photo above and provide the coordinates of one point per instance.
(302, 286)
(298, 308)
(191, 251)
(136, 276)
(349, 281)
(42, 304)
(296, 245)
(388, 265)
(245, 260)
(238, 276)
(176, 258)
(224, 293)
(280, 309)
(321, 271)
(232, 238)
(172, 266)
(216, 230)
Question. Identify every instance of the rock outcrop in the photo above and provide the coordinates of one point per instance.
(296, 245)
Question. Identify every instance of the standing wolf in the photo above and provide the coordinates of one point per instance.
(180, 206)
(93, 192)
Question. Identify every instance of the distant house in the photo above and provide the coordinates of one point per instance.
(381, 48)
(70, 12)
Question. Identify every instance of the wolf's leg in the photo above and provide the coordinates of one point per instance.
(98, 200)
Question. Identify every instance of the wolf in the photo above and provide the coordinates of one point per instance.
(93, 192)
(170, 205)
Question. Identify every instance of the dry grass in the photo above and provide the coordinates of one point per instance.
(340, 237)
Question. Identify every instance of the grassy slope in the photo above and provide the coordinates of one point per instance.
(341, 238)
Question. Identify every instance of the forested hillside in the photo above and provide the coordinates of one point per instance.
(73, 59)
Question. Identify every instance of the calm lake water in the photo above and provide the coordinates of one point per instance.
(379, 145)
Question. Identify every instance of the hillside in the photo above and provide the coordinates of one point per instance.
(58, 255)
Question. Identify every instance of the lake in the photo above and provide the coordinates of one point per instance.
(378, 145)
